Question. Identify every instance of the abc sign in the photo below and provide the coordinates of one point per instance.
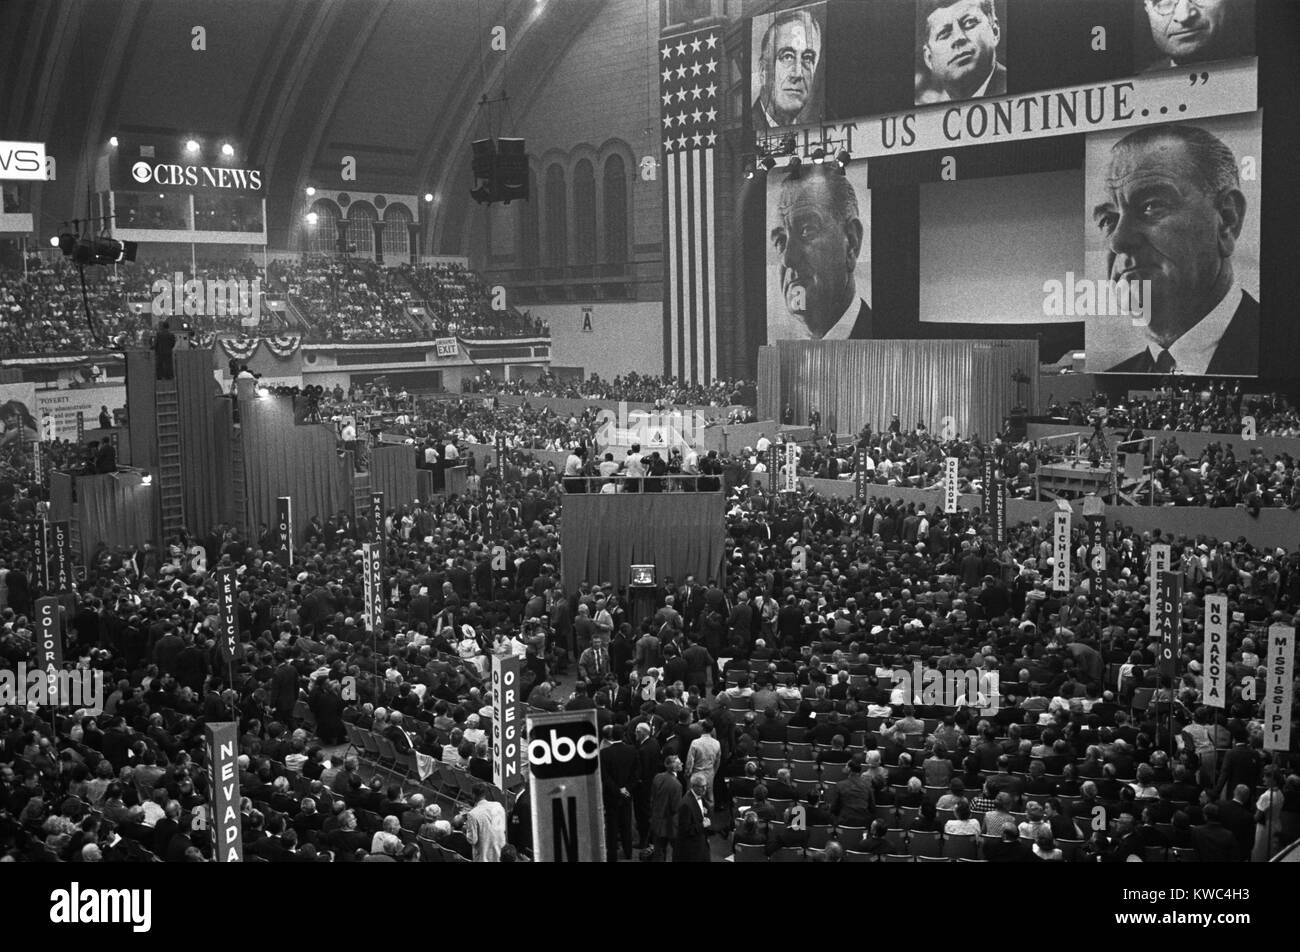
(563, 750)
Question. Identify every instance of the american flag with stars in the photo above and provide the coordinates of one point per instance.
(690, 70)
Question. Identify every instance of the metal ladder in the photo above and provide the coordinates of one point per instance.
(169, 458)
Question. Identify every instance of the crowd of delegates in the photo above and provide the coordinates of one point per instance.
(758, 693)
(462, 305)
(348, 300)
(1214, 408)
(1215, 477)
(662, 391)
(44, 312)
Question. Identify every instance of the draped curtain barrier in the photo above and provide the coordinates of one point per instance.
(283, 459)
(115, 509)
(393, 472)
(201, 485)
(1189, 442)
(576, 405)
(853, 382)
(142, 434)
(1274, 527)
(602, 536)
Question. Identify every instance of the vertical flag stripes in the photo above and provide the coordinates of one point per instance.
(689, 84)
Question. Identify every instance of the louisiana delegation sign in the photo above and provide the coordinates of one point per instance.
(196, 176)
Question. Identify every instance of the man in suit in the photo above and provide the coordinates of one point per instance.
(693, 824)
(817, 240)
(284, 688)
(648, 764)
(618, 777)
(1214, 842)
(788, 58)
(164, 342)
(1199, 32)
(959, 45)
(1238, 816)
(665, 802)
(1198, 319)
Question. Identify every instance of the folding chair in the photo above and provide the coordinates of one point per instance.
(855, 856)
(924, 843)
(886, 812)
(749, 853)
(430, 852)
(370, 741)
(772, 749)
(961, 847)
(799, 750)
(897, 840)
(850, 837)
(1071, 850)
(933, 859)
(907, 816)
(772, 764)
(1155, 854)
(897, 858)
(780, 806)
(1183, 854)
(788, 854)
(387, 752)
(818, 836)
(805, 770)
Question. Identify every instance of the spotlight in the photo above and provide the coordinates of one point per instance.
(843, 158)
(749, 168)
(227, 149)
(767, 163)
(54, 241)
(262, 391)
(818, 156)
(311, 190)
(147, 479)
(112, 140)
(794, 164)
(428, 197)
(191, 145)
(312, 218)
(96, 250)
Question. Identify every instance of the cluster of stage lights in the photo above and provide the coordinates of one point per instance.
(818, 156)
(312, 217)
(191, 146)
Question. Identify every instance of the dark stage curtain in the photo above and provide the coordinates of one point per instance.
(141, 414)
(853, 383)
(393, 472)
(282, 459)
(602, 535)
(200, 470)
(115, 509)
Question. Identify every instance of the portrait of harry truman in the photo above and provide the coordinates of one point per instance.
(1173, 216)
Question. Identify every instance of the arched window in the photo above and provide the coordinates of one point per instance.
(557, 219)
(397, 234)
(360, 232)
(584, 210)
(322, 235)
(615, 194)
(528, 237)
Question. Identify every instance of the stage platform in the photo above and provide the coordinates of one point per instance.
(1076, 476)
